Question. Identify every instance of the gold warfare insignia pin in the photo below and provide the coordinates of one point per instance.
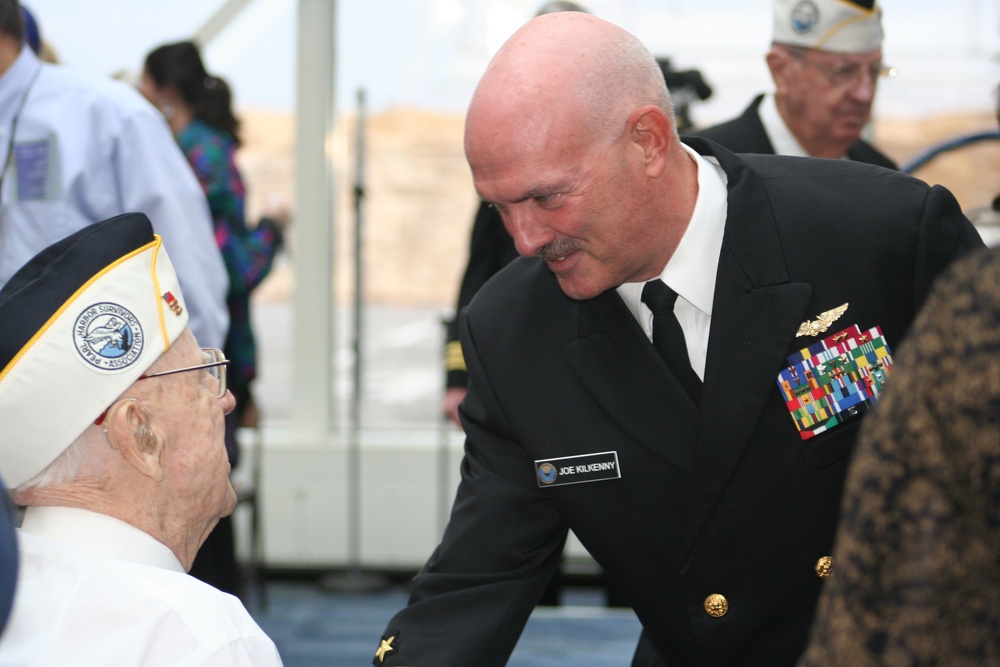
(385, 648)
(821, 323)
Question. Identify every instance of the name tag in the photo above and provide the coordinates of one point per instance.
(32, 163)
(577, 469)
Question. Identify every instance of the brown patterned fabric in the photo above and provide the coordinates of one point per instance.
(916, 575)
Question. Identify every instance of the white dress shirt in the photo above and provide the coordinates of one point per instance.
(782, 139)
(87, 148)
(692, 268)
(95, 591)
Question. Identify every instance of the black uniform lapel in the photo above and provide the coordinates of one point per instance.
(619, 366)
(755, 315)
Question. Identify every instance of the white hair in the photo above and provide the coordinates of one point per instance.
(88, 448)
(65, 468)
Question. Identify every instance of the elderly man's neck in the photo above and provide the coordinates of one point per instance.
(135, 509)
(816, 144)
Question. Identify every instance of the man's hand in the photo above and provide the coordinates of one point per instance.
(452, 398)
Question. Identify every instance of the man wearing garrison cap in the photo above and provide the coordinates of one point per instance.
(113, 441)
(826, 61)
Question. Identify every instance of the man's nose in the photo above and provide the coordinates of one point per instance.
(863, 89)
(228, 402)
(528, 232)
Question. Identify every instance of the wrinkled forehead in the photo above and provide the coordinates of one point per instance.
(836, 58)
(184, 352)
(503, 145)
(493, 134)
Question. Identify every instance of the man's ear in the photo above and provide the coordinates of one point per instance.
(652, 132)
(780, 64)
(130, 432)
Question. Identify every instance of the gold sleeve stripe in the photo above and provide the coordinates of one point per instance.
(454, 360)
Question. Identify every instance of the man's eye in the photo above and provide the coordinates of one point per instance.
(844, 72)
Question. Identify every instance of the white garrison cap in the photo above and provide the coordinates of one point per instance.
(79, 323)
(841, 26)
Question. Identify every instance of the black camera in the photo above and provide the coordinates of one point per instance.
(685, 87)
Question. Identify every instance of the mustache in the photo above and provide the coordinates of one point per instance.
(561, 247)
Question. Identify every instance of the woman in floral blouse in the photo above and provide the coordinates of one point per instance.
(198, 108)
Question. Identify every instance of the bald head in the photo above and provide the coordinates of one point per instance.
(571, 136)
(569, 66)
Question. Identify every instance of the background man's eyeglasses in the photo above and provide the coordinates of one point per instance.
(845, 75)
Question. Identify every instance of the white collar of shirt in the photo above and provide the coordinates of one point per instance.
(99, 534)
(782, 139)
(692, 269)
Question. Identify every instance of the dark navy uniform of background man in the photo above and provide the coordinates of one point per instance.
(699, 496)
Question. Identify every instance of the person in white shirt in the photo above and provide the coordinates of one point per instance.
(79, 147)
(113, 442)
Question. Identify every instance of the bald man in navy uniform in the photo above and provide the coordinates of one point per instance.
(706, 501)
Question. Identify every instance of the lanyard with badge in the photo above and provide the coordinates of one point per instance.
(13, 129)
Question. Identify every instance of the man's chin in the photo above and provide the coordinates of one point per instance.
(850, 131)
(575, 290)
(231, 501)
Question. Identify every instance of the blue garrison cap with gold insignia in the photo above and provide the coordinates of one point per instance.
(79, 323)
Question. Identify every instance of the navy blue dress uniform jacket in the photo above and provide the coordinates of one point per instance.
(746, 134)
(726, 500)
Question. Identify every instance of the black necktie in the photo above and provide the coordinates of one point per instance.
(668, 338)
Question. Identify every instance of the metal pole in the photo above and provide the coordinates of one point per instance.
(355, 579)
(217, 22)
(354, 444)
(313, 349)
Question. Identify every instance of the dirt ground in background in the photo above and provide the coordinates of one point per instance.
(419, 201)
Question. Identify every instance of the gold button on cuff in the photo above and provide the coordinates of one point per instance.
(716, 605)
(824, 567)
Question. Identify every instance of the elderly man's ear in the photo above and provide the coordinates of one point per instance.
(782, 67)
(130, 432)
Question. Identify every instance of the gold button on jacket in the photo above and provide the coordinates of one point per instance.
(716, 605)
(824, 567)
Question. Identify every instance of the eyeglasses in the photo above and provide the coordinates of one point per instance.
(845, 75)
(215, 365)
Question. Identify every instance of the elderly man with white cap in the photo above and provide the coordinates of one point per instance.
(113, 440)
(826, 61)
